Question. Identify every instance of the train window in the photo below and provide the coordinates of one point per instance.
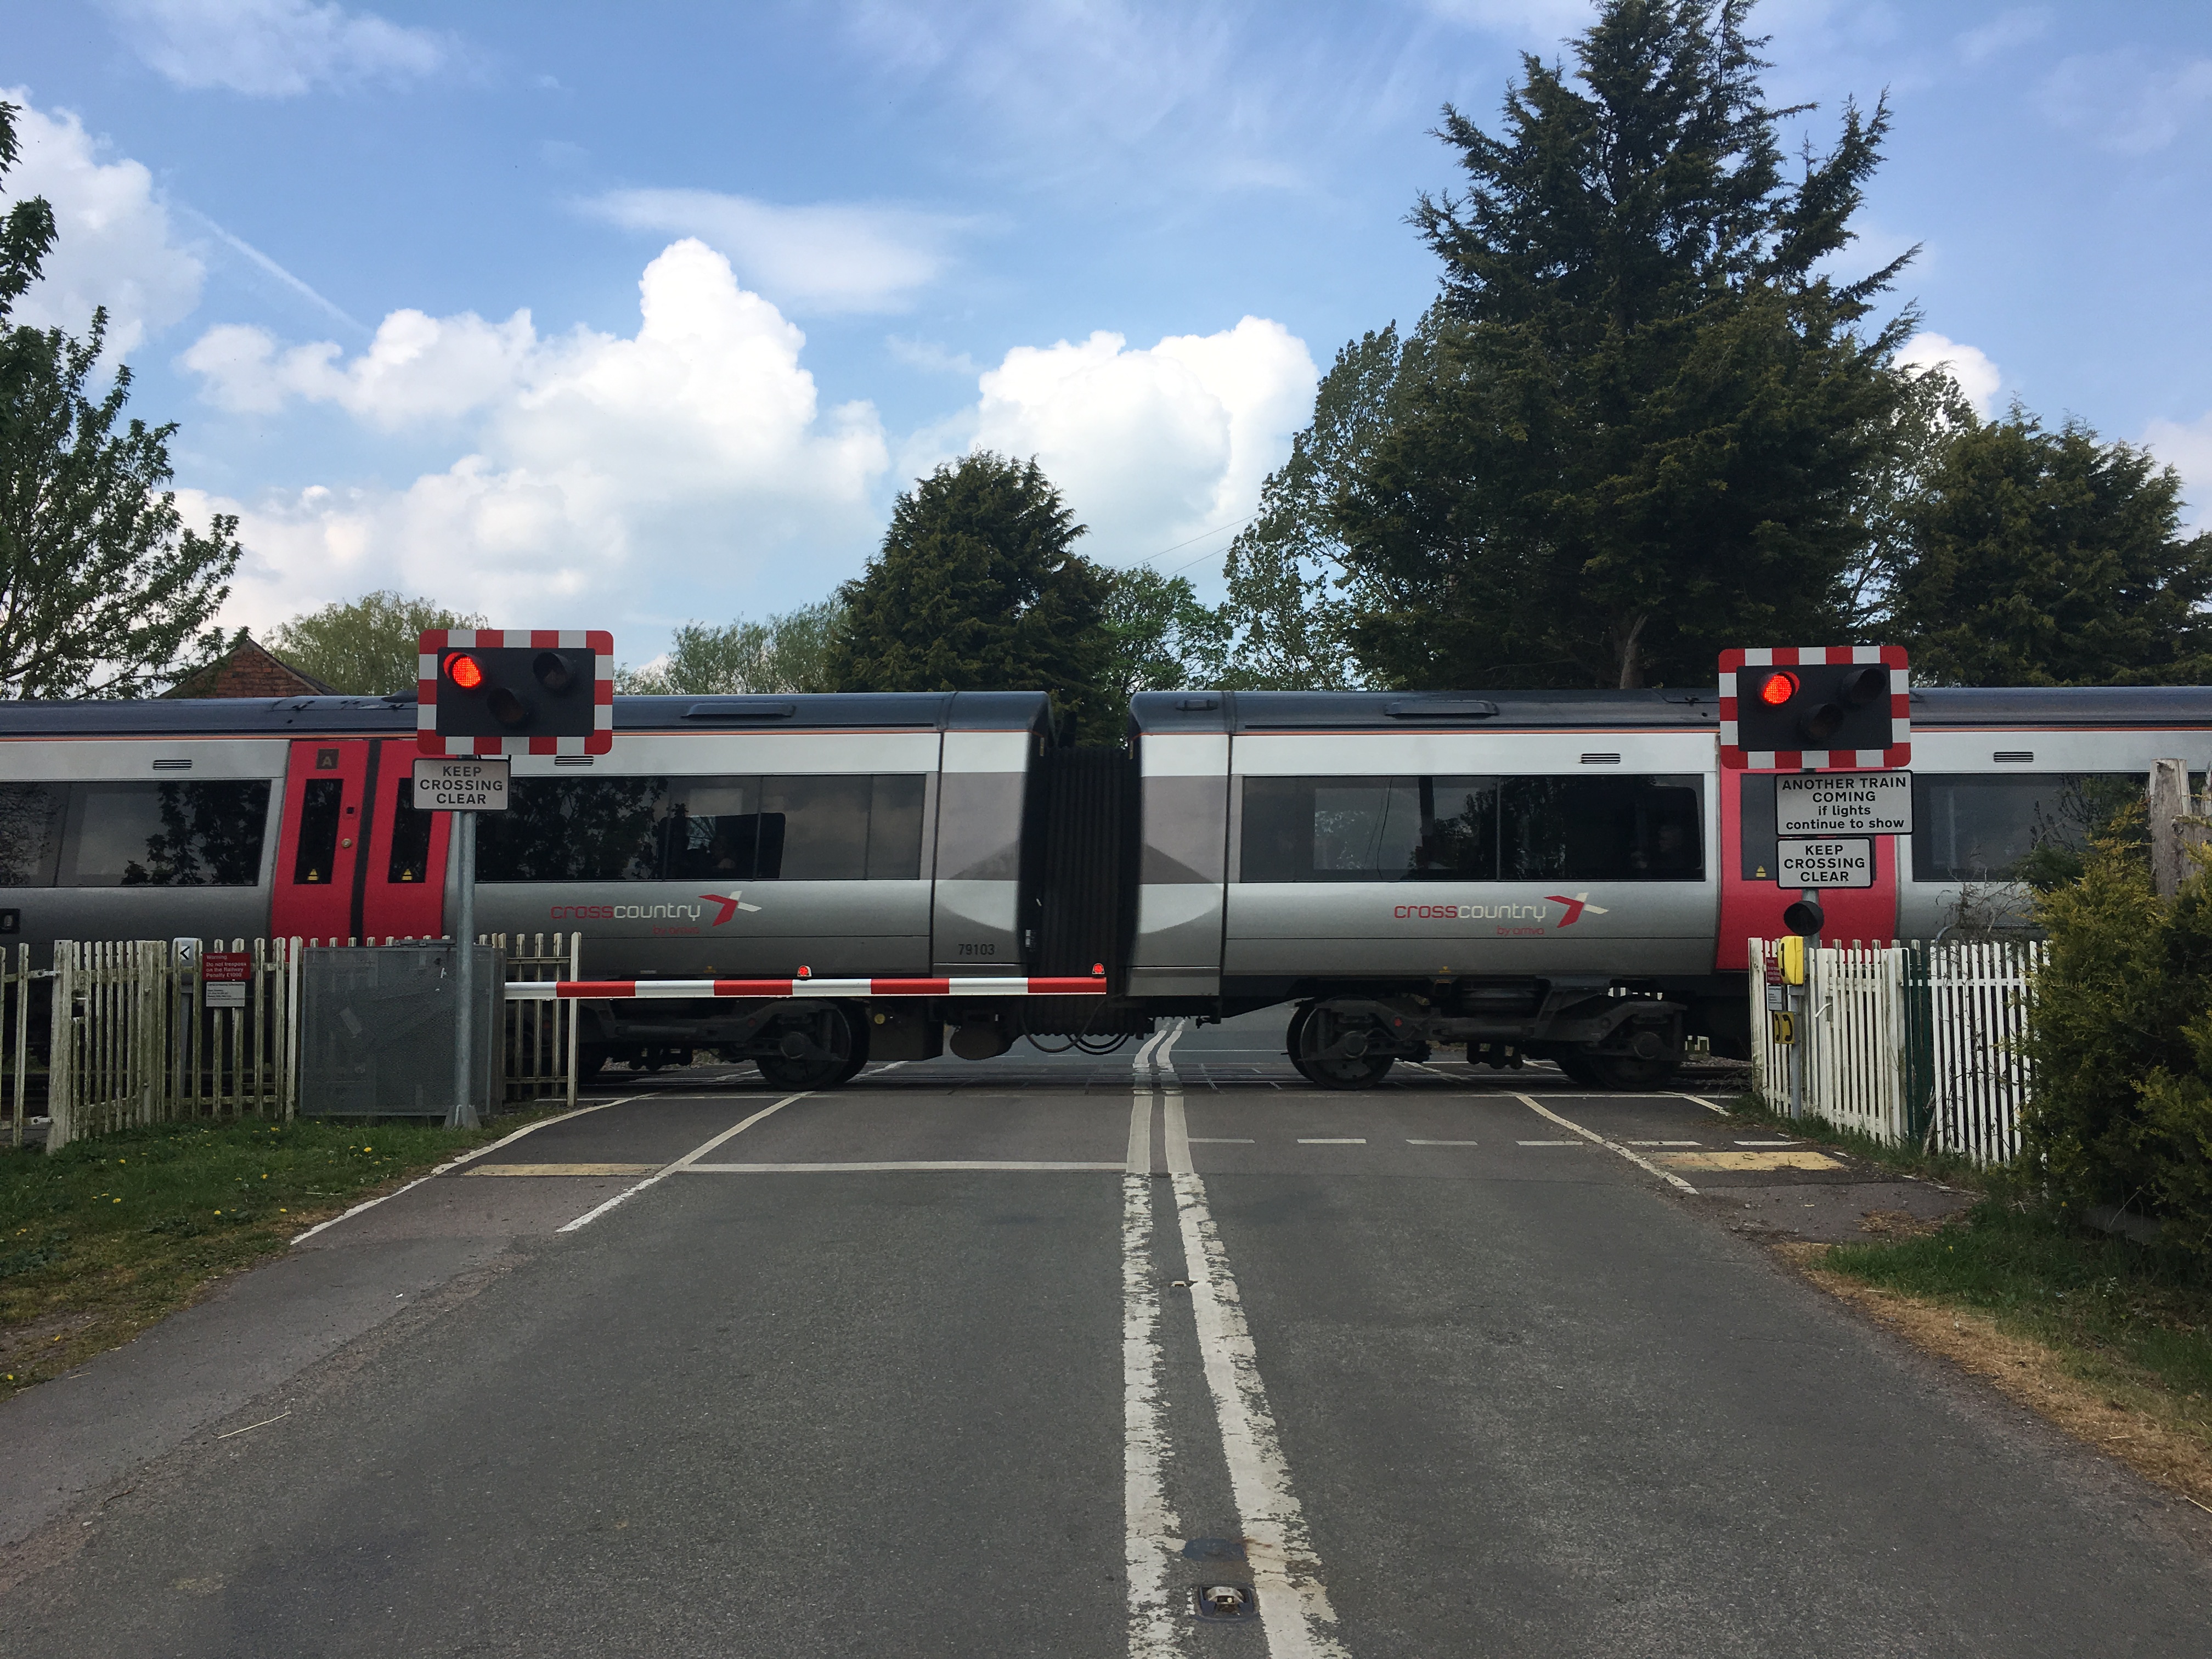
(166, 835)
(713, 829)
(2011, 827)
(410, 835)
(321, 804)
(1605, 829)
(30, 833)
(895, 826)
(1432, 828)
(574, 829)
(814, 829)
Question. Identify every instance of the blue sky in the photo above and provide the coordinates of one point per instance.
(570, 314)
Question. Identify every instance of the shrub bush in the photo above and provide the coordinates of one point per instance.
(2121, 1039)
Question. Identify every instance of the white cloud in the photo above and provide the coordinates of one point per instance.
(826, 256)
(1977, 377)
(114, 244)
(2187, 446)
(2124, 101)
(418, 368)
(689, 455)
(2004, 32)
(1153, 445)
(274, 48)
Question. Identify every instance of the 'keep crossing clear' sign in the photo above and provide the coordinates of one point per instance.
(473, 784)
(1826, 862)
(1843, 804)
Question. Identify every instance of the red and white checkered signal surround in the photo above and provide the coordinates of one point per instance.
(1892, 657)
(436, 643)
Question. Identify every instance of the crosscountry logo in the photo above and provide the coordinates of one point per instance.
(1576, 906)
(730, 905)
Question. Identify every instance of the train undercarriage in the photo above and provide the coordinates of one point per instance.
(1600, 1033)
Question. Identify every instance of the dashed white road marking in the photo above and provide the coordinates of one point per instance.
(1221, 1140)
(1592, 1135)
(1410, 1141)
(1547, 1143)
(1699, 1100)
(1295, 1615)
(1766, 1143)
(1331, 1141)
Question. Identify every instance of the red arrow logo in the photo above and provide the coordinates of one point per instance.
(730, 903)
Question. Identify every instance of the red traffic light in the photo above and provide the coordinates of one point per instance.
(1778, 689)
(464, 670)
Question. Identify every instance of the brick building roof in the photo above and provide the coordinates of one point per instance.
(247, 670)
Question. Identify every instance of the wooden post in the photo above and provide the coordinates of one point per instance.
(2169, 804)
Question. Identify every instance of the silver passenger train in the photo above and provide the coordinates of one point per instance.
(1563, 875)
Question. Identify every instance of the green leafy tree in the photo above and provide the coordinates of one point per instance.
(789, 651)
(1646, 425)
(102, 587)
(978, 587)
(1287, 614)
(2051, 558)
(1161, 638)
(2120, 1036)
(367, 647)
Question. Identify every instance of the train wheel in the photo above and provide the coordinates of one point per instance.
(1335, 1071)
(1579, 1067)
(1291, 1037)
(799, 1062)
(1622, 1071)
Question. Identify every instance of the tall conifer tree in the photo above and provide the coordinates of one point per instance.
(1648, 416)
(978, 588)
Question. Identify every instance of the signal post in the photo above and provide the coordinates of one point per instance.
(1839, 719)
(483, 695)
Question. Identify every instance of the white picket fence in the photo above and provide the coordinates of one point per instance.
(1911, 1043)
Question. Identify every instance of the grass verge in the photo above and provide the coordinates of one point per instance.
(2110, 1341)
(107, 1237)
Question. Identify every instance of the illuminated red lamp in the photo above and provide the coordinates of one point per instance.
(1778, 689)
(464, 670)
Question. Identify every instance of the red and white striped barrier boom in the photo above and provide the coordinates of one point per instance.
(571, 990)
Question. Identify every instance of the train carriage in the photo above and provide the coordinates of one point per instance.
(1566, 875)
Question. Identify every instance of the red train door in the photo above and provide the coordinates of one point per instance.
(402, 883)
(355, 861)
(325, 787)
(1752, 903)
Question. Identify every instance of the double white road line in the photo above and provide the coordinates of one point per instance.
(1294, 1611)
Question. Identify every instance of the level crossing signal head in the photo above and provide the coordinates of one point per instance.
(1821, 708)
(512, 691)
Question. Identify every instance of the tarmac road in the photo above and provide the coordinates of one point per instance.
(1012, 1358)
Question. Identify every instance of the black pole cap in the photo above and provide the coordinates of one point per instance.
(1804, 917)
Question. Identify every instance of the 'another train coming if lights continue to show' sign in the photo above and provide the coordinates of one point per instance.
(515, 691)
